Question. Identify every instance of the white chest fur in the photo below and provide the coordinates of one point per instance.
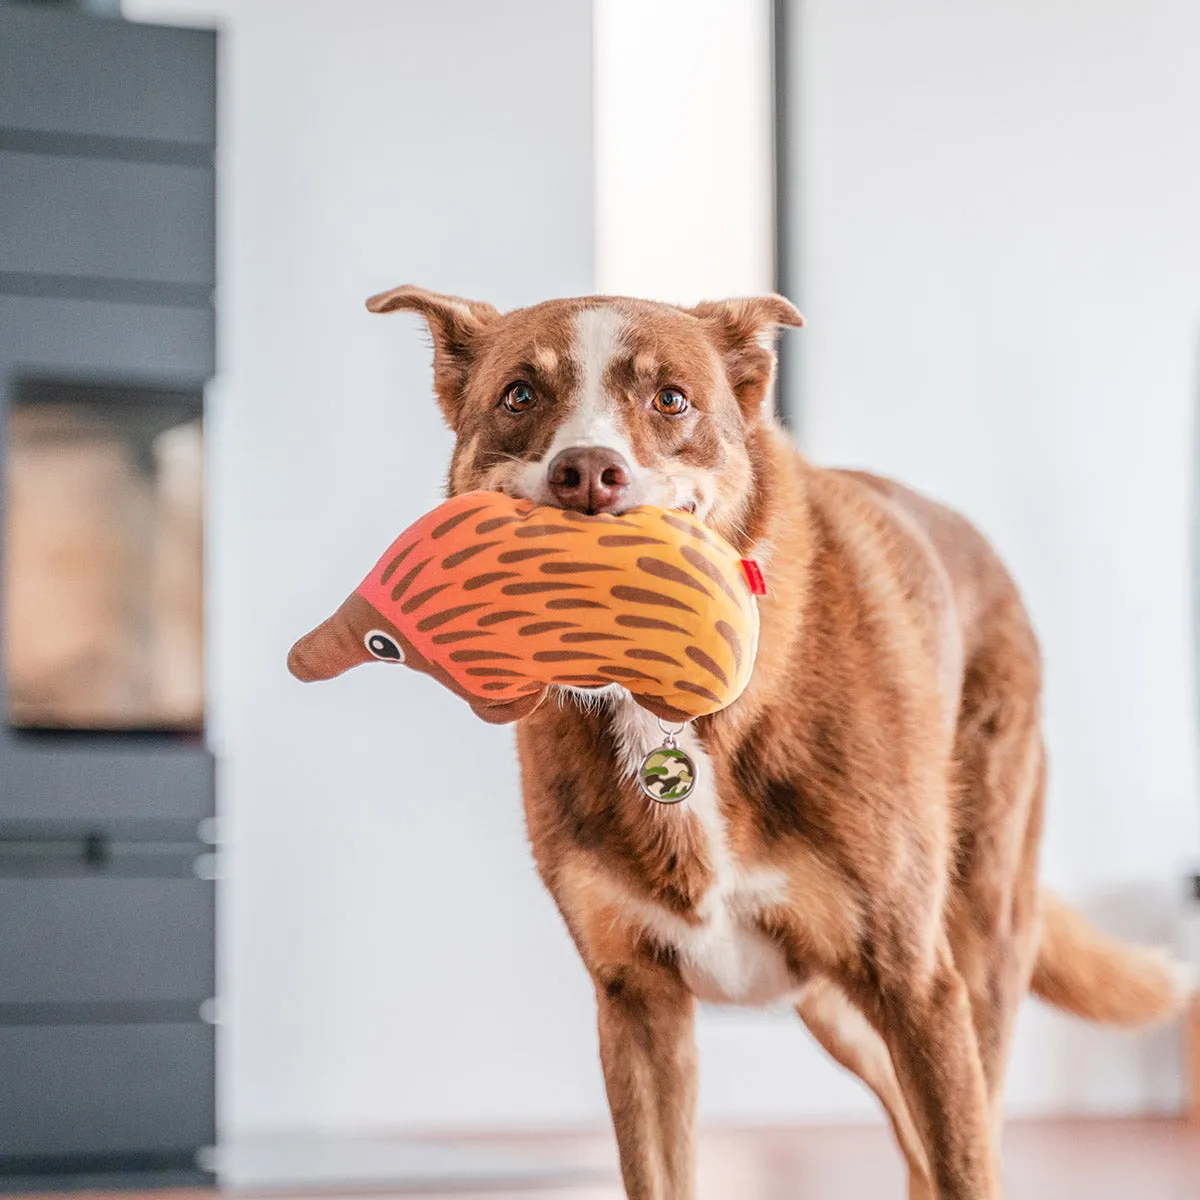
(725, 957)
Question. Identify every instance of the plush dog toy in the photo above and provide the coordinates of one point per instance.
(499, 599)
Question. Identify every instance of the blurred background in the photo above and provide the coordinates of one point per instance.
(235, 911)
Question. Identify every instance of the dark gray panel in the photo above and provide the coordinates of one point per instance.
(105, 1089)
(67, 73)
(118, 1175)
(95, 339)
(100, 219)
(105, 941)
(84, 779)
(789, 87)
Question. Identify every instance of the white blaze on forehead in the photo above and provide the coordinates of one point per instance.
(592, 419)
(599, 338)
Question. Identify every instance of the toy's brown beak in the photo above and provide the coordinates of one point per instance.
(329, 650)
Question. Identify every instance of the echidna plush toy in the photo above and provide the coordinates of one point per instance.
(500, 599)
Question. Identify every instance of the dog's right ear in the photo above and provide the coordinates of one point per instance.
(745, 331)
(455, 325)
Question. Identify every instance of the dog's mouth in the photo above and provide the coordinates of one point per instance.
(689, 504)
(684, 491)
(691, 507)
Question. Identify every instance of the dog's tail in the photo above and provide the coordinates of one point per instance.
(1096, 977)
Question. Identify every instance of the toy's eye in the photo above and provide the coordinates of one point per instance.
(671, 402)
(383, 646)
(519, 398)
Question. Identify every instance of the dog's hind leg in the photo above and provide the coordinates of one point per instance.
(921, 1007)
(993, 907)
(850, 1040)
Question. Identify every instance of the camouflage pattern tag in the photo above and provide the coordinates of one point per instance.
(667, 774)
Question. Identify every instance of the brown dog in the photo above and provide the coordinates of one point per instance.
(863, 838)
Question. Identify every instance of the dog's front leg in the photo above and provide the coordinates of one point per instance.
(925, 1018)
(648, 1052)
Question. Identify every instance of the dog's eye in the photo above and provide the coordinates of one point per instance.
(383, 646)
(671, 402)
(519, 398)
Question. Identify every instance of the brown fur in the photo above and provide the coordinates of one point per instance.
(886, 758)
(1098, 978)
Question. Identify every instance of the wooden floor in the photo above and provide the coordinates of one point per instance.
(1061, 1160)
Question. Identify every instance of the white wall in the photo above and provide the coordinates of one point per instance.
(999, 205)
(388, 958)
(684, 177)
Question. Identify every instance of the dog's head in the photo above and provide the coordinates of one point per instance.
(602, 404)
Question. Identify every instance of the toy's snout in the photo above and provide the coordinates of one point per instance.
(354, 635)
(328, 651)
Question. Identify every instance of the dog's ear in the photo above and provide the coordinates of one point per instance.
(745, 331)
(455, 325)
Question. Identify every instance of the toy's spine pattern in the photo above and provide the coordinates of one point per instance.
(535, 618)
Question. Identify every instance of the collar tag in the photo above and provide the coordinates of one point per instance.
(754, 577)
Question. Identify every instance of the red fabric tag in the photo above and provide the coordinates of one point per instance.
(754, 577)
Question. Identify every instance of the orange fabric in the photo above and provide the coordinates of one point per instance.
(500, 599)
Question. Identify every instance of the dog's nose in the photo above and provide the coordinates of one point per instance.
(588, 479)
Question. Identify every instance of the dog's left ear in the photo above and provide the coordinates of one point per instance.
(455, 325)
(745, 331)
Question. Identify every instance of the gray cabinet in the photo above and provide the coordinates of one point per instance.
(104, 782)
(103, 336)
(100, 940)
(97, 81)
(104, 1094)
(107, 131)
(92, 218)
